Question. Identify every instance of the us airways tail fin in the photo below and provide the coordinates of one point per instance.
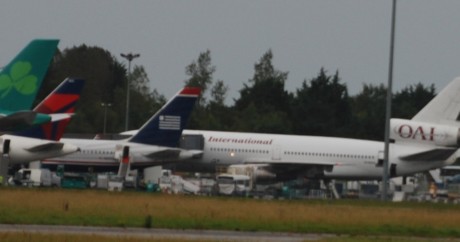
(21, 79)
(444, 108)
(165, 127)
(60, 102)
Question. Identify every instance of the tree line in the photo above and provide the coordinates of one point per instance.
(321, 106)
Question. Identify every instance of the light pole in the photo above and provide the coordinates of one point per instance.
(105, 105)
(129, 57)
(386, 159)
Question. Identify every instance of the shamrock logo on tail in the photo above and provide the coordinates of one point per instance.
(18, 79)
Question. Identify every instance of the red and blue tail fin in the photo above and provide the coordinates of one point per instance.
(61, 100)
(165, 127)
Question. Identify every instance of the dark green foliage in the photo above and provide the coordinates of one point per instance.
(321, 106)
(410, 100)
(105, 83)
(212, 114)
(369, 106)
(368, 109)
(200, 72)
(264, 106)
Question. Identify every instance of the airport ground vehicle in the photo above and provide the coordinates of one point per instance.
(230, 184)
(33, 177)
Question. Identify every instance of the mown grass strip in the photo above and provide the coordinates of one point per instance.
(136, 209)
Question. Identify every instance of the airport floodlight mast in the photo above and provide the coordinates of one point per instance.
(388, 106)
(105, 106)
(129, 57)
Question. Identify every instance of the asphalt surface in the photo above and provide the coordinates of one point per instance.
(163, 233)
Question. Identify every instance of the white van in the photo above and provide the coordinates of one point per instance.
(33, 177)
(229, 184)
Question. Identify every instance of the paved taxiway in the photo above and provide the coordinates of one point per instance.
(163, 233)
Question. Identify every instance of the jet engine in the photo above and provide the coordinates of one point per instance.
(256, 171)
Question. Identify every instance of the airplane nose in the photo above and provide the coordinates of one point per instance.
(69, 148)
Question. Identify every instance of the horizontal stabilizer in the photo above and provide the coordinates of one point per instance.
(430, 155)
(51, 146)
(60, 116)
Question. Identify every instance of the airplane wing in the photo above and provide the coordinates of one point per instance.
(289, 166)
(172, 154)
(430, 155)
(288, 162)
(51, 146)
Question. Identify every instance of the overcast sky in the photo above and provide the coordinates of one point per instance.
(350, 36)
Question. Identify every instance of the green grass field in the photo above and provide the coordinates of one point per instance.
(135, 209)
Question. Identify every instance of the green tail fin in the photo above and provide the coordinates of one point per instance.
(21, 79)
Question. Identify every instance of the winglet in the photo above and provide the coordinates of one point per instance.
(165, 127)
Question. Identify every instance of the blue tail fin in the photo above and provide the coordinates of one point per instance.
(61, 100)
(165, 127)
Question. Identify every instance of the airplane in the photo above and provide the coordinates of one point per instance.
(428, 141)
(20, 81)
(155, 143)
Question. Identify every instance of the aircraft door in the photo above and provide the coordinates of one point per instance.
(380, 158)
(276, 152)
(6, 146)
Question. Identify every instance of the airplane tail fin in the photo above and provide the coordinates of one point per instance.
(61, 100)
(444, 108)
(165, 127)
(21, 79)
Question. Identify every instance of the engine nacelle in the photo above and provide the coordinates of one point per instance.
(402, 130)
(258, 172)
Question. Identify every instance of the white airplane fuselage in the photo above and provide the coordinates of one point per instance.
(95, 152)
(351, 158)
